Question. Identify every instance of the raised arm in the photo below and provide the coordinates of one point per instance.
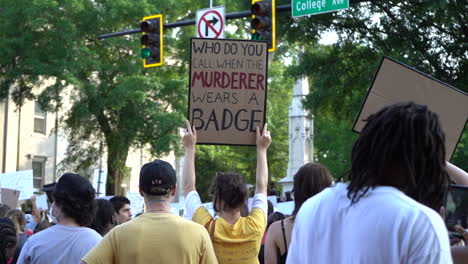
(188, 172)
(263, 142)
(36, 213)
(456, 174)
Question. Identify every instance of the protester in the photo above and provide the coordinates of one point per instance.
(309, 180)
(459, 253)
(457, 175)
(273, 217)
(397, 165)
(122, 208)
(156, 236)
(8, 240)
(70, 239)
(106, 217)
(36, 214)
(235, 239)
(4, 210)
(18, 218)
(44, 222)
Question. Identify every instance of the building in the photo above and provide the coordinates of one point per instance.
(32, 138)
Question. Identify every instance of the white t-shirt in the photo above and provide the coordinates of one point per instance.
(384, 226)
(59, 244)
(193, 202)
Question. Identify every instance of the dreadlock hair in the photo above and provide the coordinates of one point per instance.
(309, 180)
(229, 188)
(402, 146)
(8, 239)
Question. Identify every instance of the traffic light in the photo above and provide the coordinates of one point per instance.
(152, 41)
(264, 22)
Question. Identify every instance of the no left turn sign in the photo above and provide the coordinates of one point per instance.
(210, 22)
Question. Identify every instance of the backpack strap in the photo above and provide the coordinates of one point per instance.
(210, 226)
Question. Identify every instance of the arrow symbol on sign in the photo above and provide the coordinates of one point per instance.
(213, 22)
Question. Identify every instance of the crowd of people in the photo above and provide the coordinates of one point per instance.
(390, 209)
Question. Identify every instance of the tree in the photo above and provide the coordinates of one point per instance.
(112, 97)
(428, 35)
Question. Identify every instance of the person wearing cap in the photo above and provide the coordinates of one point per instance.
(69, 239)
(158, 235)
(236, 239)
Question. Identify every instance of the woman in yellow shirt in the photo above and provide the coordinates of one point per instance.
(235, 239)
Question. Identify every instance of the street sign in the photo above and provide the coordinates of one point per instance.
(210, 22)
(313, 7)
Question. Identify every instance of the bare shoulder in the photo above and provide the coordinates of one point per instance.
(275, 228)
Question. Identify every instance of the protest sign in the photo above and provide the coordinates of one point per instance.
(41, 202)
(271, 198)
(136, 202)
(227, 90)
(9, 197)
(19, 180)
(395, 82)
(99, 184)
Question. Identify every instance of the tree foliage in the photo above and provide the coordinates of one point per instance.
(428, 35)
(114, 99)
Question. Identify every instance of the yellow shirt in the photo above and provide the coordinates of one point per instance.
(154, 238)
(238, 243)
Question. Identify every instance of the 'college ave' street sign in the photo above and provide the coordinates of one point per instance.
(314, 7)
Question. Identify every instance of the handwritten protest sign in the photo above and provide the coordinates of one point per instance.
(41, 202)
(9, 197)
(20, 180)
(271, 198)
(100, 182)
(395, 82)
(227, 90)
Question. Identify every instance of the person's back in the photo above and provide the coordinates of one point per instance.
(236, 239)
(238, 242)
(386, 226)
(155, 238)
(388, 211)
(70, 239)
(59, 244)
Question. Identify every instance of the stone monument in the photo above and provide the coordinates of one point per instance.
(301, 131)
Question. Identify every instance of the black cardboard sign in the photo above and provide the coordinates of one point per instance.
(227, 90)
(396, 82)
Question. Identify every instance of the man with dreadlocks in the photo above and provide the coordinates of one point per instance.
(8, 240)
(388, 211)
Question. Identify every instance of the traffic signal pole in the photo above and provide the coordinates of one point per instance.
(248, 13)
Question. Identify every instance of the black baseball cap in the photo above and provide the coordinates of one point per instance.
(72, 182)
(157, 178)
(49, 187)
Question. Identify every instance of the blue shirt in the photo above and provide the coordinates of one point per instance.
(59, 244)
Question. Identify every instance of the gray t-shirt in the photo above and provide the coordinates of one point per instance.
(59, 244)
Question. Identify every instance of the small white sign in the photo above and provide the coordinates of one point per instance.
(19, 180)
(41, 202)
(210, 22)
(136, 203)
(100, 182)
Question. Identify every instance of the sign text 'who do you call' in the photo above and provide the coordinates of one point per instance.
(227, 90)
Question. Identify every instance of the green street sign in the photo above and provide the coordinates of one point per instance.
(314, 7)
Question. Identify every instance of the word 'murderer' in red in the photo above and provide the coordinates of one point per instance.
(232, 80)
